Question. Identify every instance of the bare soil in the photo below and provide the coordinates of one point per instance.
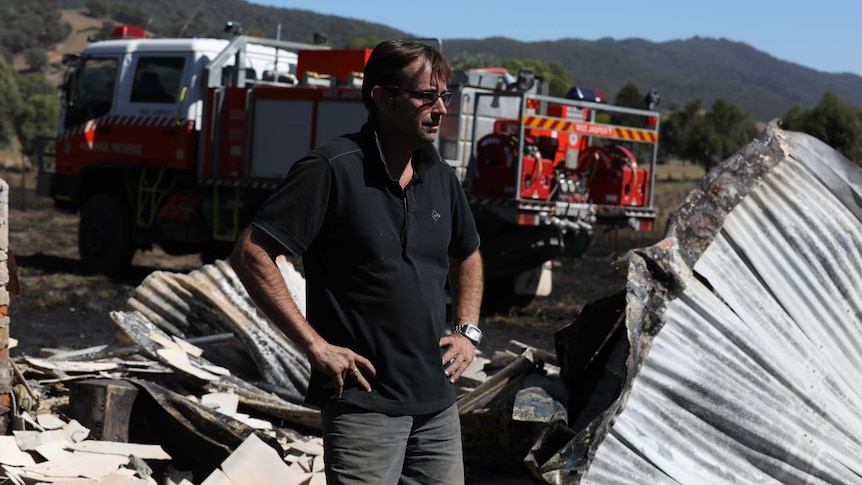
(61, 307)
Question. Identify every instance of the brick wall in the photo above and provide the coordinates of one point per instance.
(5, 364)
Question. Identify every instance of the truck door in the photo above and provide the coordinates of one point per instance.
(151, 127)
(89, 96)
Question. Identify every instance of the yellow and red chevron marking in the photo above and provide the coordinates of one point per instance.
(591, 129)
(131, 121)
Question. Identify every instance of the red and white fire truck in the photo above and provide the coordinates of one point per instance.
(177, 142)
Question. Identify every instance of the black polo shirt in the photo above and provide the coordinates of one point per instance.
(375, 259)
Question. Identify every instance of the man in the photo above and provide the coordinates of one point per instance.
(380, 221)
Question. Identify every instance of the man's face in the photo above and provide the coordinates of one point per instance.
(414, 113)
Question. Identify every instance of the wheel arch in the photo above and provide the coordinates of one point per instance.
(118, 181)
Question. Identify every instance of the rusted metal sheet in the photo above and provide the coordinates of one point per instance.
(740, 355)
(212, 300)
(198, 371)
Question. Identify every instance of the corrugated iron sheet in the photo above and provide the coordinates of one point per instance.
(742, 355)
(212, 300)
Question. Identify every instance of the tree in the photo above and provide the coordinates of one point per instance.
(678, 130)
(34, 23)
(106, 30)
(706, 138)
(36, 58)
(469, 60)
(834, 122)
(183, 24)
(629, 96)
(31, 84)
(731, 127)
(561, 81)
(53, 29)
(795, 118)
(97, 8)
(37, 117)
(10, 102)
(130, 14)
(39, 112)
(256, 31)
(362, 42)
(556, 77)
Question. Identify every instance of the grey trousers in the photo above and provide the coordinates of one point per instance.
(364, 447)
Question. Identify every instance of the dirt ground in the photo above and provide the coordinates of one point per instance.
(62, 308)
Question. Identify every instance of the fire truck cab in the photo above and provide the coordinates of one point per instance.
(131, 144)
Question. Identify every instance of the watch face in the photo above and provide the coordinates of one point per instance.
(471, 332)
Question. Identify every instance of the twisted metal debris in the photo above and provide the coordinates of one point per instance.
(739, 357)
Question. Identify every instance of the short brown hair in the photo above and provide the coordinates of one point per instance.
(387, 61)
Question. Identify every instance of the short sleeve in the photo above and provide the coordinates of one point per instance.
(465, 237)
(294, 213)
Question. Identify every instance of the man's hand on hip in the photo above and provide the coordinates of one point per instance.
(341, 364)
(458, 355)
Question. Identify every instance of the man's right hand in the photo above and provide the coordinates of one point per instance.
(253, 260)
(341, 364)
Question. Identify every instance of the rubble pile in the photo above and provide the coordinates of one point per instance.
(730, 356)
(196, 369)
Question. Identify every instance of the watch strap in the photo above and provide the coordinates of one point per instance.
(472, 333)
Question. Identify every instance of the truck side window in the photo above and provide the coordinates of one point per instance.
(91, 91)
(157, 79)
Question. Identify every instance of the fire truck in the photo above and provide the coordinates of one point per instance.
(177, 142)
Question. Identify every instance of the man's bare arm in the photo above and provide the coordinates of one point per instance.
(465, 284)
(253, 260)
(465, 289)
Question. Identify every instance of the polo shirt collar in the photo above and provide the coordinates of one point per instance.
(423, 158)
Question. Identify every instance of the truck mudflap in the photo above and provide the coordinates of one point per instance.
(508, 254)
(536, 281)
(637, 218)
(525, 212)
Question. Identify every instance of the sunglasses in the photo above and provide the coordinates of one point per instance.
(427, 97)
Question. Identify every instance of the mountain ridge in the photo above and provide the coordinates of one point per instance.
(681, 70)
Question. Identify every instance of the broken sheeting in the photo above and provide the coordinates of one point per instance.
(212, 300)
(741, 346)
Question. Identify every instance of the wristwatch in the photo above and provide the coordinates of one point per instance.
(472, 332)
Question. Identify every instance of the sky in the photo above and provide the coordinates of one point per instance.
(822, 34)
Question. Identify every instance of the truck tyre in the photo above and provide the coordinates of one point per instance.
(213, 252)
(500, 296)
(105, 235)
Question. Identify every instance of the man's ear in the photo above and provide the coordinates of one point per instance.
(382, 97)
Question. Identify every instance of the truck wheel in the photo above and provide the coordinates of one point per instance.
(500, 296)
(213, 252)
(515, 291)
(105, 235)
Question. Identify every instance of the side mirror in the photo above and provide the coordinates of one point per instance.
(234, 28)
(70, 59)
(526, 79)
(652, 99)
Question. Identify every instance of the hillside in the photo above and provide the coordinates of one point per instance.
(681, 70)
